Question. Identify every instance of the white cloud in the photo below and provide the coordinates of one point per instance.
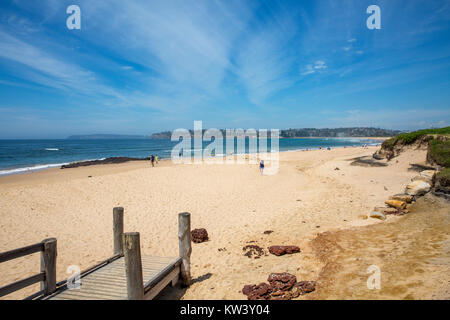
(318, 66)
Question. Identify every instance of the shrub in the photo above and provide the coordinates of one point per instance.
(439, 152)
(411, 137)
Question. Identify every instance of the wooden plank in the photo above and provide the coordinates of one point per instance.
(21, 284)
(154, 291)
(109, 281)
(48, 266)
(20, 252)
(88, 296)
(133, 265)
(184, 244)
(118, 229)
(161, 274)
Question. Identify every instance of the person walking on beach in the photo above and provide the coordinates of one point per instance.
(152, 159)
(261, 167)
(156, 159)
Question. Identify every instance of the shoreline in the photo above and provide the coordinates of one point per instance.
(93, 162)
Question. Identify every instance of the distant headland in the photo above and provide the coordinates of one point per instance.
(285, 133)
(314, 132)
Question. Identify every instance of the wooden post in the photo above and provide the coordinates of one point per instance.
(48, 265)
(184, 242)
(133, 266)
(118, 230)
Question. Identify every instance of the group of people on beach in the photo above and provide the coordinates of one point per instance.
(153, 159)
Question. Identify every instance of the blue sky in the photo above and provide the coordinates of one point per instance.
(138, 67)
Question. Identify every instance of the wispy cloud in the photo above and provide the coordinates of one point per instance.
(318, 66)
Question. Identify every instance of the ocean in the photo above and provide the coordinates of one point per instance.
(21, 156)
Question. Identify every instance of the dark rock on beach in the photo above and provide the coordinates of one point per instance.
(112, 160)
(261, 291)
(281, 281)
(304, 287)
(282, 286)
(253, 251)
(199, 235)
(282, 250)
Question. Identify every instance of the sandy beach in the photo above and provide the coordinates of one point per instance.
(235, 204)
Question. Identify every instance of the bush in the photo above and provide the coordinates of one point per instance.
(442, 180)
(411, 137)
(439, 152)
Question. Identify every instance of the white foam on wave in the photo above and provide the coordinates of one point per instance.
(51, 149)
(39, 167)
(30, 169)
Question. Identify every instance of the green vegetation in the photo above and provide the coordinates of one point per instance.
(439, 152)
(411, 137)
(443, 177)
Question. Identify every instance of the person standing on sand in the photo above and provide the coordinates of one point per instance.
(156, 159)
(152, 159)
(261, 167)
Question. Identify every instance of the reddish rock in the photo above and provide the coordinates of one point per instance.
(305, 287)
(281, 281)
(199, 235)
(281, 250)
(261, 291)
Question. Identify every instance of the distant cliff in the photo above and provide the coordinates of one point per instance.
(105, 136)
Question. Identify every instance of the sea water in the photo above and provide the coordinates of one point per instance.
(21, 156)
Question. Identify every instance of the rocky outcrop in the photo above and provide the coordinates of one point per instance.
(402, 197)
(388, 210)
(377, 215)
(424, 179)
(112, 160)
(282, 286)
(391, 148)
(282, 250)
(441, 184)
(417, 188)
(261, 291)
(428, 174)
(199, 235)
(398, 204)
(281, 281)
(305, 287)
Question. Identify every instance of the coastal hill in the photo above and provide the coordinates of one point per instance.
(313, 132)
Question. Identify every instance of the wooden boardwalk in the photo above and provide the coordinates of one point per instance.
(126, 275)
(110, 283)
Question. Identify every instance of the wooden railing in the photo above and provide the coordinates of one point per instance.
(126, 245)
(47, 276)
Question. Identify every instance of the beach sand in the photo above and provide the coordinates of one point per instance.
(233, 202)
